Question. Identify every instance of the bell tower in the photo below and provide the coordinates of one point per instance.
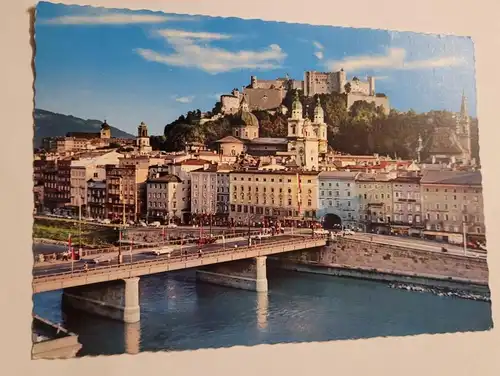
(142, 139)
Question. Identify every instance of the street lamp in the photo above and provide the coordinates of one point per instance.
(464, 230)
(249, 229)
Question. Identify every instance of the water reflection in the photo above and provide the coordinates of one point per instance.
(132, 338)
(262, 309)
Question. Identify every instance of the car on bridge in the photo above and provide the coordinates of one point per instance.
(347, 231)
(321, 231)
(162, 251)
(101, 259)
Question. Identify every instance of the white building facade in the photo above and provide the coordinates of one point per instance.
(337, 195)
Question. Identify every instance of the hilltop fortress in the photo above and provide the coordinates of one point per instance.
(269, 94)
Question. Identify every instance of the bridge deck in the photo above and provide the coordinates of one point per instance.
(163, 264)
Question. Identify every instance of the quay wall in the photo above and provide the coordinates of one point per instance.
(60, 344)
(356, 258)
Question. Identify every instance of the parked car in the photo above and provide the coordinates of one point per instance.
(155, 224)
(143, 224)
(171, 225)
(348, 231)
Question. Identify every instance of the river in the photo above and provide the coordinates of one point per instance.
(179, 314)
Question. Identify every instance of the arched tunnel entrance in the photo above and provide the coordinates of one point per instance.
(332, 221)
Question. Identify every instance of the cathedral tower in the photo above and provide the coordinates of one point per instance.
(296, 121)
(319, 121)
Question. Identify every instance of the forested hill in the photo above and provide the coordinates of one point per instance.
(364, 129)
(50, 124)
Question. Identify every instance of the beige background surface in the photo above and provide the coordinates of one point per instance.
(454, 354)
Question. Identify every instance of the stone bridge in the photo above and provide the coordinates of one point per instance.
(113, 291)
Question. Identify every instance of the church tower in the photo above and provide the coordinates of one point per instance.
(311, 156)
(105, 131)
(142, 139)
(296, 121)
(297, 111)
(319, 121)
(463, 129)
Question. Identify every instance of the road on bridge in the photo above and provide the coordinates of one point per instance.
(161, 264)
(145, 254)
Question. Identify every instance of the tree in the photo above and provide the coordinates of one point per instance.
(347, 87)
(362, 129)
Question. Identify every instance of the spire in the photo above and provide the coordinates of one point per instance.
(463, 106)
(419, 147)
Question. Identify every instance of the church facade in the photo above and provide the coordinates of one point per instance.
(306, 141)
(453, 146)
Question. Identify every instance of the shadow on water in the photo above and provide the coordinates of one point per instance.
(179, 314)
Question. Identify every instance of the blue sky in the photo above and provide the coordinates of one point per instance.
(132, 66)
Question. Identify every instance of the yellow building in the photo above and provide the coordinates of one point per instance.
(453, 204)
(375, 200)
(258, 195)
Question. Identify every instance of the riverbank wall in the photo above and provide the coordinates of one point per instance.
(361, 259)
(51, 341)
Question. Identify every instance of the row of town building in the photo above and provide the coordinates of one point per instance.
(373, 195)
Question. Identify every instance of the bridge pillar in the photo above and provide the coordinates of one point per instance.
(117, 300)
(260, 274)
(249, 274)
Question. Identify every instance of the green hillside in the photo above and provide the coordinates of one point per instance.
(50, 124)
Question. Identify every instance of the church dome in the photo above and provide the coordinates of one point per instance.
(247, 119)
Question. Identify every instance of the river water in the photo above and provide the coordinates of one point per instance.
(179, 314)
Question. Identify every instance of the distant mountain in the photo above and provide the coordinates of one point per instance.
(51, 124)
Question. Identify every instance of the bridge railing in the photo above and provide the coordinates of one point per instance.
(141, 245)
(299, 244)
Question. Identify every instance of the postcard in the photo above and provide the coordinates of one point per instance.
(205, 182)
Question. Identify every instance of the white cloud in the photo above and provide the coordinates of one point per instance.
(194, 54)
(112, 19)
(394, 59)
(187, 99)
(319, 54)
(318, 45)
(169, 33)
